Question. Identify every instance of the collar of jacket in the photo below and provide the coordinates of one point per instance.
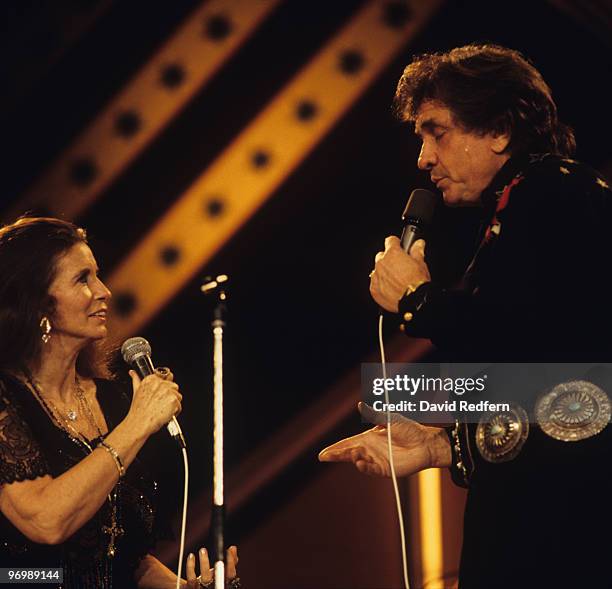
(511, 169)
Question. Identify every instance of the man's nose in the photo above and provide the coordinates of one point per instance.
(427, 157)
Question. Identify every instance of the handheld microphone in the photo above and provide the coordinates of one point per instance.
(417, 216)
(136, 352)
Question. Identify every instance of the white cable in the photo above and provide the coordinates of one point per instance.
(184, 522)
(398, 502)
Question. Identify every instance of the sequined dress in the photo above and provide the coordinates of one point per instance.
(31, 445)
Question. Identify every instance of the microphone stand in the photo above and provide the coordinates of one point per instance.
(215, 287)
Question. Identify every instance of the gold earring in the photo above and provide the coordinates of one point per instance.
(45, 327)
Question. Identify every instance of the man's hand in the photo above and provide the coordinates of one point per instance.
(395, 272)
(415, 446)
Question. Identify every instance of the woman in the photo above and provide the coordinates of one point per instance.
(73, 494)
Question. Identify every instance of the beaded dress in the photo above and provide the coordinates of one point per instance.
(32, 445)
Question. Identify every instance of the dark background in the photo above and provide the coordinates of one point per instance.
(300, 315)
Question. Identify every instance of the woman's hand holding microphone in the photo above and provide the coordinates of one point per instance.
(155, 401)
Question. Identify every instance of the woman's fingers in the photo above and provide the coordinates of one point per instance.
(206, 573)
(136, 380)
(190, 568)
(164, 373)
(231, 558)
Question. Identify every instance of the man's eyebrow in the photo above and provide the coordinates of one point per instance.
(428, 125)
(82, 272)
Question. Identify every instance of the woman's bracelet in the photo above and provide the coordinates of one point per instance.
(115, 456)
(229, 584)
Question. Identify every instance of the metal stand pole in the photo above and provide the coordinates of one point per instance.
(218, 509)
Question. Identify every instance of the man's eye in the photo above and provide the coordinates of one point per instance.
(439, 135)
(84, 278)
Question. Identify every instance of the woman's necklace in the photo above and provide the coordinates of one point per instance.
(114, 530)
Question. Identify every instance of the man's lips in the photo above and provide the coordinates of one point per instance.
(437, 181)
(101, 314)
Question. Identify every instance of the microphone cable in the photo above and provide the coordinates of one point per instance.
(398, 502)
(184, 518)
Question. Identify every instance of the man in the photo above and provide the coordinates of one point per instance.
(538, 509)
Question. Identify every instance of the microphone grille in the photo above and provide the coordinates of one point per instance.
(134, 347)
(420, 205)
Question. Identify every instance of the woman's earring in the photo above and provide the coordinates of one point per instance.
(45, 327)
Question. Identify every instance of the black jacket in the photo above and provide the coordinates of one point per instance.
(536, 291)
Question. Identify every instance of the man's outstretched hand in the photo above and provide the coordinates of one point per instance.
(415, 446)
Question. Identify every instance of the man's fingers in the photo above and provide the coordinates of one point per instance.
(378, 417)
(392, 241)
(358, 454)
(342, 451)
(369, 468)
(190, 567)
(371, 416)
(331, 454)
(206, 573)
(418, 249)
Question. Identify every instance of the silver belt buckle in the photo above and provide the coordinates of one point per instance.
(573, 411)
(501, 435)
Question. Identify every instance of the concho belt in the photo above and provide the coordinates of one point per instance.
(573, 411)
(500, 436)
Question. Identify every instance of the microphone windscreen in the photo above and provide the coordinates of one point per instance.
(420, 205)
(134, 347)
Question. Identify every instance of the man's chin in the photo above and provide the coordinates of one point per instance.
(452, 199)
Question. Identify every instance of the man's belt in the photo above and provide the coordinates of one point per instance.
(570, 412)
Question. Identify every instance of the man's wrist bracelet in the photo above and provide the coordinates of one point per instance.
(413, 300)
(457, 447)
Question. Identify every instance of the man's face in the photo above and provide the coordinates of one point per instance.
(461, 164)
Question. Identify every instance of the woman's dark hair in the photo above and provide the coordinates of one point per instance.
(489, 89)
(29, 251)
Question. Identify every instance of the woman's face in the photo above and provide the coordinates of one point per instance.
(81, 298)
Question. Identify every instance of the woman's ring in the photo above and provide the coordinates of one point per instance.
(163, 372)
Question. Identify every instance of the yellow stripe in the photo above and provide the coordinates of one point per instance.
(198, 56)
(430, 517)
(280, 134)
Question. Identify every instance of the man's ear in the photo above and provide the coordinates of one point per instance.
(499, 142)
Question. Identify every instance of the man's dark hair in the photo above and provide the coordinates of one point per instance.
(30, 249)
(489, 89)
